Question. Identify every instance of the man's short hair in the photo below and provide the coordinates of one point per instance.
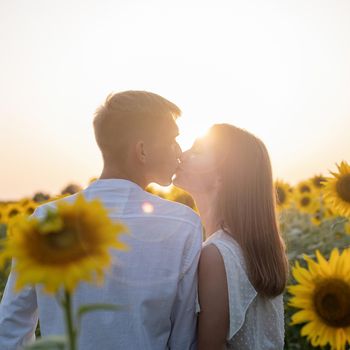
(125, 113)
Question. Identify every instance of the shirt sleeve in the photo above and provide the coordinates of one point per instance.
(184, 317)
(18, 316)
(18, 312)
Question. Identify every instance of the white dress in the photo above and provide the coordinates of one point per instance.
(256, 323)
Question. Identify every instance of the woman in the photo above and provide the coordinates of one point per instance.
(243, 266)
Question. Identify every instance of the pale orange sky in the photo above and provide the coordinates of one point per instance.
(277, 68)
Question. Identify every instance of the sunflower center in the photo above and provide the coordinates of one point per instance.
(332, 302)
(60, 247)
(305, 201)
(13, 212)
(30, 210)
(281, 195)
(61, 240)
(305, 188)
(343, 187)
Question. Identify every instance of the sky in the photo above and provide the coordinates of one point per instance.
(280, 69)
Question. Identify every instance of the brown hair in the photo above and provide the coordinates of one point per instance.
(247, 206)
(128, 112)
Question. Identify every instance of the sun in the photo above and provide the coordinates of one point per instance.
(190, 130)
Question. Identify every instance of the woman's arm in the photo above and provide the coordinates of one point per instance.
(213, 320)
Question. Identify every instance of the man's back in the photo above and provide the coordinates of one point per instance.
(154, 282)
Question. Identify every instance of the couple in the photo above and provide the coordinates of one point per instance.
(226, 294)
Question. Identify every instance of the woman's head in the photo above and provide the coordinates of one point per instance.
(234, 167)
(227, 158)
(198, 167)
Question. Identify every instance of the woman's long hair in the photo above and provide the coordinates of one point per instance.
(246, 206)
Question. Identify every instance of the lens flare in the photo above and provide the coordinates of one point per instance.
(147, 208)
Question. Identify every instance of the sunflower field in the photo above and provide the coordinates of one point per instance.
(314, 218)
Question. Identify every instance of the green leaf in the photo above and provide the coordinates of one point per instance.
(55, 342)
(98, 307)
(83, 309)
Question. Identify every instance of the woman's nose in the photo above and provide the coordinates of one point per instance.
(184, 155)
(178, 151)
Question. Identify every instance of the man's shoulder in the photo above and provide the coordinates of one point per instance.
(173, 210)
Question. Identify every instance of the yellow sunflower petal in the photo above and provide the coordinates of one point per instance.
(333, 260)
(323, 263)
(302, 276)
(303, 316)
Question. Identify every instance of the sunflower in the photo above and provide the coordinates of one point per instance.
(11, 211)
(337, 189)
(304, 187)
(24, 201)
(320, 213)
(283, 193)
(305, 202)
(29, 207)
(69, 244)
(323, 295)
(181, 196)
(317, 216)
(317, 182)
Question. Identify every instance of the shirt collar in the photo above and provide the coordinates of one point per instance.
(114, 183)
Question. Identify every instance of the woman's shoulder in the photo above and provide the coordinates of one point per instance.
(211, 256)
(226, 245)
(212, 263)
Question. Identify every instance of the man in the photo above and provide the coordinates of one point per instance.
(155, 282)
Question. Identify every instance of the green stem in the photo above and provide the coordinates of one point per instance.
(69, 321)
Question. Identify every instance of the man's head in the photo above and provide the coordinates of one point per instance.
(136, 132)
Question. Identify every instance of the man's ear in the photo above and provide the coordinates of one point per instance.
(140, 151)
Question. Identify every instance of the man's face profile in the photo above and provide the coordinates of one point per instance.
(164, 156)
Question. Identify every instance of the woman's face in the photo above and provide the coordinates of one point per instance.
(197, 172)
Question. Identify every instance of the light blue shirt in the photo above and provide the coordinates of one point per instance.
(155, 281)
